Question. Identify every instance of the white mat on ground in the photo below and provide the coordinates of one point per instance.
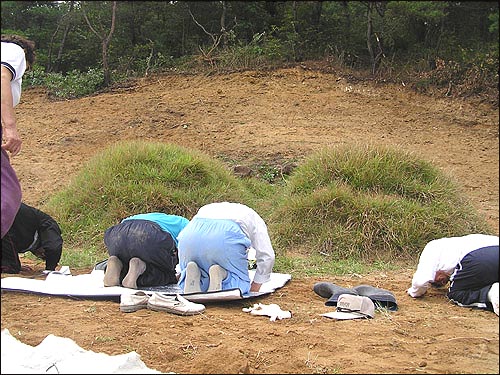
(91, 286)
(59, 355)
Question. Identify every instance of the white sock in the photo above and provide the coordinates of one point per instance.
(493, 297)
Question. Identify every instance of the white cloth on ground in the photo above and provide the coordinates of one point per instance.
(273, 311)
(60, 355)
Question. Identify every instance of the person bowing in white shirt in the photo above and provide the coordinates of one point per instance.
(214, 246)
(469, 263)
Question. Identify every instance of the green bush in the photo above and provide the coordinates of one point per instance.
(136, 177)
(35, 77)
(263, 51)
(370, 204)
(72, 85)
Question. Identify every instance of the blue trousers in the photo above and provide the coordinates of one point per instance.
(473, 277)
(215, 241)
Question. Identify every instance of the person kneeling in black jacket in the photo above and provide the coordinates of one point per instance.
(35, 231)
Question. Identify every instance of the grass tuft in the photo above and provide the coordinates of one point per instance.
(370, 204)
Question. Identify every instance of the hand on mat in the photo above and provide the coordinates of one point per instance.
(272, 310)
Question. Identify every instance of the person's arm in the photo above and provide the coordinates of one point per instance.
(52, 257)
(10, 136)
(264, 254)
(419, 286)
(426, 270)
(255, 287)
(51, 241)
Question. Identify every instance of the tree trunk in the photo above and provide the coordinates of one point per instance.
(48, 65)
(105, 45)
(223, 24)
(295, 31)
(61, 47)
(369, 31)
(316, 15)
(105, 40)
(347, 20)
(55, 66)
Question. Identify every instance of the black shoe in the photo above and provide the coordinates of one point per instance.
(326, 290)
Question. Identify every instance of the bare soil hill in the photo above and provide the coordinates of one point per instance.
(251, 118)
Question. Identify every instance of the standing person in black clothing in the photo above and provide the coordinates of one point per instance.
(35, 231)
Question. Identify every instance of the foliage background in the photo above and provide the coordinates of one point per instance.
(444, 43)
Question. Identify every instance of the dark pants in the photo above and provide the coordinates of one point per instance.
(10, 256)
(145, 240)
(473, 278)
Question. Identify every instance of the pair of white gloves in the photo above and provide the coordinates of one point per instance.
(272, 310)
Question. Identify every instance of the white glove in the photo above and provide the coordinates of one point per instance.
(272, 310)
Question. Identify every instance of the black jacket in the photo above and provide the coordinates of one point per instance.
(35, 231)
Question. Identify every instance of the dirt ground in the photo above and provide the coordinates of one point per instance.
(249, 118)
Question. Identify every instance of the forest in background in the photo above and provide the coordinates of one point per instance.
(88, 45)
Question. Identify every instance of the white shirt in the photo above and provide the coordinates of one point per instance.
(14, 59)
(443, 255)
(254, 228)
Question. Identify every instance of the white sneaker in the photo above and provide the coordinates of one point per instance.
(493, 297)
(216, 274)
(192, 284)
(133, 301)
(174, 304)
